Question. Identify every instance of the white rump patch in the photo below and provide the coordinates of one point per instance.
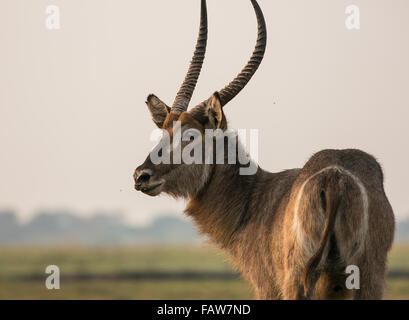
(300, 235)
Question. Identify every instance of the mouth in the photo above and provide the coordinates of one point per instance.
(152, 190)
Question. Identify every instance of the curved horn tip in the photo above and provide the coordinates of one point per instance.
(239, 83)
(185, 93)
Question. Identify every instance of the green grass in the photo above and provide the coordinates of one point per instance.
(397, 289)
(139, 290)
(15, 264)
(21, 262)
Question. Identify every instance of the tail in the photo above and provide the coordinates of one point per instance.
(331, 198)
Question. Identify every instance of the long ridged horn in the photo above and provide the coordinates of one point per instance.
(185, 93)
(238, 84)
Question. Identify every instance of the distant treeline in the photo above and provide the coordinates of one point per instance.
(402, 231)
(65, 228)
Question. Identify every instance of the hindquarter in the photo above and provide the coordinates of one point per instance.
(362, 231)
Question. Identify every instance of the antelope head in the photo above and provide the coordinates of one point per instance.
(179, 178)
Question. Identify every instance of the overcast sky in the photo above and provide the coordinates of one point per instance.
(74, 125)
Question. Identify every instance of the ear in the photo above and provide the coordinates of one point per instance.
(214, 113)
(158, 109)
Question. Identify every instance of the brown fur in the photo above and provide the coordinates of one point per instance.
(292, 233)
(253, 217)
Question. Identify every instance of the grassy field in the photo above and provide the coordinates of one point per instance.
(95, 273)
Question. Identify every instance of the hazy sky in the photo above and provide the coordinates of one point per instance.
(74, 125)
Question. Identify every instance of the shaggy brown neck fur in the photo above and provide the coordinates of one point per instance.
(221, 207)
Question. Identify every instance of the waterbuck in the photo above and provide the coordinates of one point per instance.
(292, 234)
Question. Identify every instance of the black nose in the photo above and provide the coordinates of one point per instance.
(142, 179)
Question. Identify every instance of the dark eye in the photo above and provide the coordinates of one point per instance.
(160, 152)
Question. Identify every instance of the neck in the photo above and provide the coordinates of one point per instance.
(221, 208)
